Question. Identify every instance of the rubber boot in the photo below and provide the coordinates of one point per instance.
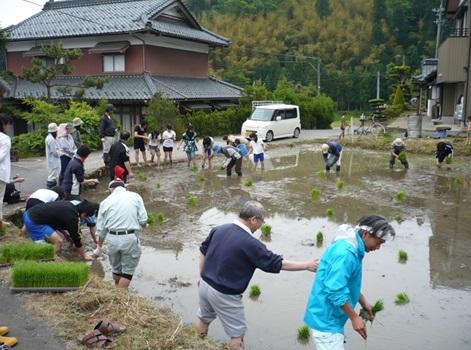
(10, 341)
(4, 330)
(51, 184)
(337, 169)
(327, 168)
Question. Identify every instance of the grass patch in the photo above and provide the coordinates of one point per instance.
(248, 183)
(161, 217)
(402, 299)
(29, 274)
(191, 200)
(157, 185)
(150, 219)
(315, 193)
(304, 333)
(319, 238)
(377, 307)
(340, 184)
(402, 256)
(400, 196)
(329, 212)
(255, 291)
(26, 251)
(148, 326)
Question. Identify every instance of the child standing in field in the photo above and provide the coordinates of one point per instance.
(208, 143)
(258, 149)
(169, 136)
(154, 149)
(189, 138)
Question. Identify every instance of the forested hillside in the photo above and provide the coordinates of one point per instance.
(272, 39)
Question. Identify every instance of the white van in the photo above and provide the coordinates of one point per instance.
(273, 121)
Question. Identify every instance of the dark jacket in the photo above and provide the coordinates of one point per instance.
(107, 127)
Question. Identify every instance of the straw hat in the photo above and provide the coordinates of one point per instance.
(77, 122)
(69, 126)
(398, 142)
(52, 127)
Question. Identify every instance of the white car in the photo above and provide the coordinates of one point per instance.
(273, 121)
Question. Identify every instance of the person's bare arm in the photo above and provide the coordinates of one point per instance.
(309, 265)
(201, 263)
(357, 323)
(127, 165)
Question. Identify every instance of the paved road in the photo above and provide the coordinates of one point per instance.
(35, 173)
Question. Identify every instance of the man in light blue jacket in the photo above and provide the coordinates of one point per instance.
(337, 286)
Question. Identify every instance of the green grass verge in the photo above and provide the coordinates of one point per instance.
(26, 251)
(29, 274)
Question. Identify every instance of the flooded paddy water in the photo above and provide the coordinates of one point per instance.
(435, 232)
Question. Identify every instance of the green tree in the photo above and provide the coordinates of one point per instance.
(399, 98)
(323, 8)
(54, 63)
(162, 111)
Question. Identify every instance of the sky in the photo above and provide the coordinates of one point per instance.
(15, 11)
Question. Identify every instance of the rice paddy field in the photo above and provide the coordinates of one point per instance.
(431, 216)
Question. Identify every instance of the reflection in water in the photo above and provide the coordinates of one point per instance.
(433, 232)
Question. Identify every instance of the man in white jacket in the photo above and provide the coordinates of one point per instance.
(52, 156)
(5, 164)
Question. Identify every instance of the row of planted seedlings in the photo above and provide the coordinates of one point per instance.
(34, 269)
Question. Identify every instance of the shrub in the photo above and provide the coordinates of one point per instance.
(402, 256)
(399, 98)
(315, 193)
(402, 299)
(28, 274)
(27, 251)
(255, 291)
(304, 333)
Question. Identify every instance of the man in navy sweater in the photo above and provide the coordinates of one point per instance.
(229, 257)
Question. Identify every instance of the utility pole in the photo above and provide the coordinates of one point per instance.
(319, 75)
(378, 85)
(439, 21)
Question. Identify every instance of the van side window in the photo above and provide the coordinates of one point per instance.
(290, 113)
(279, 113)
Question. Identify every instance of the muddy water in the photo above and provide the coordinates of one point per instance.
(435, 232)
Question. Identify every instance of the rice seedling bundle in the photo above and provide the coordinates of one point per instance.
(161, 217)
(400, 196)
(322, 174)
(329, 212)
(191, 200)
(402, 256)
(340, 184)
(402, 156)
(255, 291)
(248, 183)
(266, 229)
(304, 333)
(402, 299)
(315, 193)
(26, 251)
(377, 307)
(398, 218)
(150, 219)
(448, 160)
(29, 274)
(194, 168)
(157, 185)
(457, 181)
(200, 177)
(319, 238)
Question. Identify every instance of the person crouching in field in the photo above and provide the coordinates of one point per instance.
(444, 151)
(398, 151)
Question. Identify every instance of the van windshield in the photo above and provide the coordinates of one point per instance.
(262, 114)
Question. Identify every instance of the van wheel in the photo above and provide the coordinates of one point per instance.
(296, 133)
(269, 137)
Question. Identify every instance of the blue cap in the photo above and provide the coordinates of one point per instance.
(217, 148)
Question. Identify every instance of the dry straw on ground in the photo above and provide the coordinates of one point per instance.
(75, 314)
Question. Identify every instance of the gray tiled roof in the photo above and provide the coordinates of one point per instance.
(137, 88)
(92, 17)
